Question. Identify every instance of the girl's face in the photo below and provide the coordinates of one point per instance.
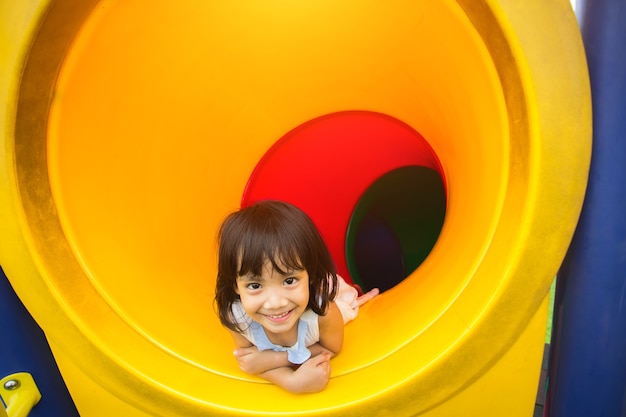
(276, 301)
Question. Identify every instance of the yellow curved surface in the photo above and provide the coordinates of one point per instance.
(129, 132)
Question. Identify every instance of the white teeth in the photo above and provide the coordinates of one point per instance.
(278, 316)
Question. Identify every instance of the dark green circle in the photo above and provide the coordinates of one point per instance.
(394, 226)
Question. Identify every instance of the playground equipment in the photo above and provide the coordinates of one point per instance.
(20, 393)
(130, 131)
(24, 348)
(588, 358)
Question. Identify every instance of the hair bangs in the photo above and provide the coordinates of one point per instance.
(275, 243)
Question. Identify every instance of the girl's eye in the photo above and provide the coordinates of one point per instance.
(291, 280)
(253, 286)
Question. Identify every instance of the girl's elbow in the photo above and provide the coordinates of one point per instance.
(335, 350)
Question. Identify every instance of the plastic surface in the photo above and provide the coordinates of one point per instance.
(24, 348)
(326, 165)
(588, 372)
(20, 394)
(130, 131)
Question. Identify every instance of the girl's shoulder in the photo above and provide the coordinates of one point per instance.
(243, 321)
(311, 319)
(239, 315)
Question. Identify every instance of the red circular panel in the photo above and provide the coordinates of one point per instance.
(324, 166)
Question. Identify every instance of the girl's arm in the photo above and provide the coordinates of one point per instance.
(311, 376)
(331, 330)
(254, 362)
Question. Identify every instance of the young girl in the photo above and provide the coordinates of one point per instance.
(279, 295)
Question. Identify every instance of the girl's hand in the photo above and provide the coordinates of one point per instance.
(246, 359)
(254, 362)
(312, 375)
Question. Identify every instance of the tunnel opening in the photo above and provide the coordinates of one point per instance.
(394, 226)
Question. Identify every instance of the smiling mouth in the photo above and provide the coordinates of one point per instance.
(279, 317)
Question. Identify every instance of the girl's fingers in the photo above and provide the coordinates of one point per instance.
(321, 359)
(239, 352)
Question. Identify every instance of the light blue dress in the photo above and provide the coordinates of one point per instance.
(308, 334)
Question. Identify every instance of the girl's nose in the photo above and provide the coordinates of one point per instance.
(275, 300)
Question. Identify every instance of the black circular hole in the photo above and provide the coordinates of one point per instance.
(394, 226)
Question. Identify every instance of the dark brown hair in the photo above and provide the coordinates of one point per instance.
(282, 234)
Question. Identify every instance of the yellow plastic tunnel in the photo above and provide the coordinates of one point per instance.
(131, 128)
